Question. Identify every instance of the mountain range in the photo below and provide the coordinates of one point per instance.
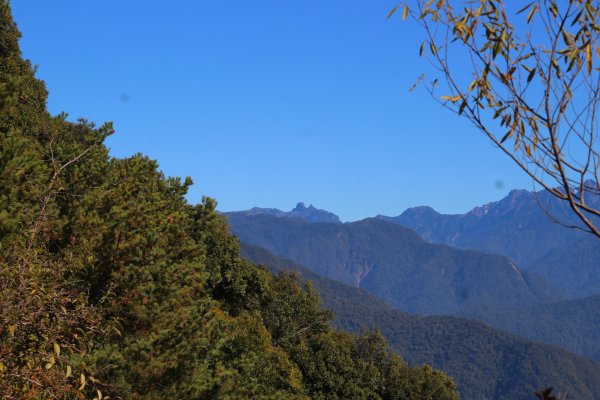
(571, 324)
(394, 263)
(523, 227)
(351, 252)
(486, 363)
(308, 214)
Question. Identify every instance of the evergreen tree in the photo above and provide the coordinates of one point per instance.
(111, 284)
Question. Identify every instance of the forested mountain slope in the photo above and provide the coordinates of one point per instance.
(571, 324)
(486, 363)
(519, 227)
(396, 264)
(113, 286)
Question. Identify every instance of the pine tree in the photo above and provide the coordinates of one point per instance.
(111, 284)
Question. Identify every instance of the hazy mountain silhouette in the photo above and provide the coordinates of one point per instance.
(519, 227)
(396, 264)
(308, 214)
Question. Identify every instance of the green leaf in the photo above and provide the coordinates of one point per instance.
(525, 8)
(588, 55)
(531, 75)
(506, 136)
(393, 10)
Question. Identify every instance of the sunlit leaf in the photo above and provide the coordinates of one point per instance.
(532, 13)
(405, 12)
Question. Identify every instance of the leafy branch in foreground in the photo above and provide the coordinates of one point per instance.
(528, 78)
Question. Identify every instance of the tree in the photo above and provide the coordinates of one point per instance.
(529, 79)
(113, 286)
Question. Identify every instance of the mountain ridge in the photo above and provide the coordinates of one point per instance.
(301, 211)
(478, 357)
(396, 264)
(519, 227)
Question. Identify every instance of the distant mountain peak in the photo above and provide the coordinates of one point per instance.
(522, 227)
(420, 210)
(301, 211)
(301, 207)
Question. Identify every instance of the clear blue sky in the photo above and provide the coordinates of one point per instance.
(266, 103)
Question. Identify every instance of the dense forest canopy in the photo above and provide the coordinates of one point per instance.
(113, 286)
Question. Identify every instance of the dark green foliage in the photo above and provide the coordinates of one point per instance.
(111, 284)
(574, 267)
(571, 324)
(486, 363)
(396, 265)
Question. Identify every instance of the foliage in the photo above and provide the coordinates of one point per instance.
(113, 286)
(486, 363)
(394, 263)
(528, 79)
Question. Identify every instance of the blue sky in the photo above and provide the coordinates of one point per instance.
(267, 103)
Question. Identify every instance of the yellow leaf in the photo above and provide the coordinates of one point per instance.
(82, 381)
(56, 349)
(69, 371)
(432, 48)
(12, 329)
(405, 12)
(49, 365)
(2, 368)
(532, 13)
(453, 99)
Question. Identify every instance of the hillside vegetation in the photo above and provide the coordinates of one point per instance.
(486, 363)
(522, 227)
(395, 264)
(571, 324)
(112, 285)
